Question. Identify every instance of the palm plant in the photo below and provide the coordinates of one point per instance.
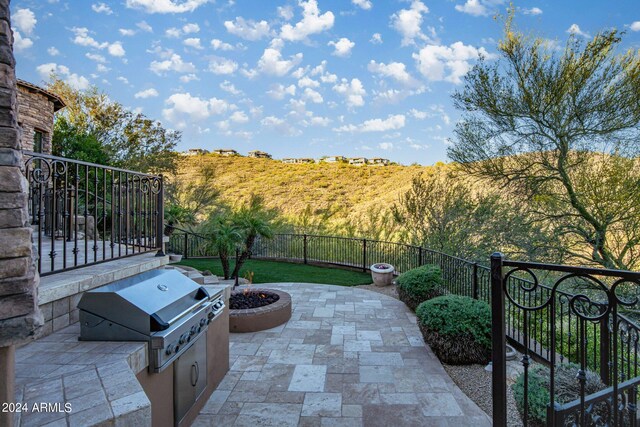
(252, 220)
(223, 237)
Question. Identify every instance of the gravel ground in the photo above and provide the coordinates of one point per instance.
(475, 382)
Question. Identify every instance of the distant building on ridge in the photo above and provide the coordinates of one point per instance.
(259, 154)
(226, 152)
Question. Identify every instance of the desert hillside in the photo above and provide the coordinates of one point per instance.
(335, 195)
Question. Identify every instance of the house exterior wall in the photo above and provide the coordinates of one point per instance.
(35, 113)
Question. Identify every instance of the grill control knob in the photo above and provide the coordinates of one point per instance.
(210, 315)
(194, 330)
(183, 338)
(169, 349)
(203, 322)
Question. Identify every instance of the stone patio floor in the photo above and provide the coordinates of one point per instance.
(347, 357)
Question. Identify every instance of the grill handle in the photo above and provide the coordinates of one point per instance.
(195, 369)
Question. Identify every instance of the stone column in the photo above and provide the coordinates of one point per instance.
(20, 317)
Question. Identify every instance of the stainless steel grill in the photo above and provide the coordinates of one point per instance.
(163, 307)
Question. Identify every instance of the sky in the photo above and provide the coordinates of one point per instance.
(311, 78)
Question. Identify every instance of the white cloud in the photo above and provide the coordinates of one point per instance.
(394, 96)
(220, 45)
(272, 62)
(248, 30)
(312, 22)
(313, 96)
(395, 70)
(123, 80)
(191, 28)
(182, 106)
(193, 42)
(386, 146)
(227, 86)
(417, 114)
(285, 12)
(448, 63)
(21, 43)
(279, 125)
(72, 79)
(188, 77)
(144, 27)
(434, 111)
(53, 51)
(116, 49)
(635, 26)
(376, 38)
(353, 91)
(473, 7)
(392, 122)
(174, 63)
(24, 20)
(364, 4)
(96, 57)
(575, 29)
(101, 8)
(342, 47)
(219, 65)
(147, 93)
(173, 32)
(532, 11)
(127, 32)
(166, 6)
(408, 22)
(239, 117)
(307, 81)
(279, 91)
(83, 38)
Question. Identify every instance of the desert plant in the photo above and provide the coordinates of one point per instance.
(567, 389)
(457, 328)
(223, 237)
(419, 284)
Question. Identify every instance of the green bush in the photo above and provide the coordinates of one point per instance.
(420, 284)
(457, 328)
(567, 389)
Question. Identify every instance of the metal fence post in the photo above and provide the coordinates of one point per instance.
(498, 343)
(364, 255)
(419, 256)
(304, 247)
(160, 218)
(605, 347)
(185, 254)
(474, 281)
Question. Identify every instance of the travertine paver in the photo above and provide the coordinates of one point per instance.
(347, 357)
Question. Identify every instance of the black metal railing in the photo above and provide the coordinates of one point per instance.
(83, 213)
(572, 314)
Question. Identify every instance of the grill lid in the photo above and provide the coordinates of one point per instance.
(147, 302)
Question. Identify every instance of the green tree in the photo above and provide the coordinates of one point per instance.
(444, 213)
(69, 141)
(129, 140)
(252, 220)
(539, 122)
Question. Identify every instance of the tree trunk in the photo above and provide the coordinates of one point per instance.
(244, 255)
(224, 259)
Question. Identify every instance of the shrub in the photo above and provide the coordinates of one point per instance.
(567, 389)
(420, 284)
(457, 328)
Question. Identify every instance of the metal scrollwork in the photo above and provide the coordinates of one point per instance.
(39, 170)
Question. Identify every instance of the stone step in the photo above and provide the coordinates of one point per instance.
(196, 277)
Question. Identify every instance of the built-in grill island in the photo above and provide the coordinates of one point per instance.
(185, 326)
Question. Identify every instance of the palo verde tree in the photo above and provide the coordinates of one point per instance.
(560, 130)
(126, 139)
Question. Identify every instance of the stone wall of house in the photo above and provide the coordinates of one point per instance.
(20, 317)
(35, 113)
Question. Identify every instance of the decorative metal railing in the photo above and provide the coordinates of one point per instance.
(579, 313)
(83, 213)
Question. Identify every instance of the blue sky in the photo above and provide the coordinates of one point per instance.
(309, 78)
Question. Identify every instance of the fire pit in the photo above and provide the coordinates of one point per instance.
(253, 310)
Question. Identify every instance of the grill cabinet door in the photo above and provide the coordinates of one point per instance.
(189, 377)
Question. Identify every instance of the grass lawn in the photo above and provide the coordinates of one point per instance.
(270, 272)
